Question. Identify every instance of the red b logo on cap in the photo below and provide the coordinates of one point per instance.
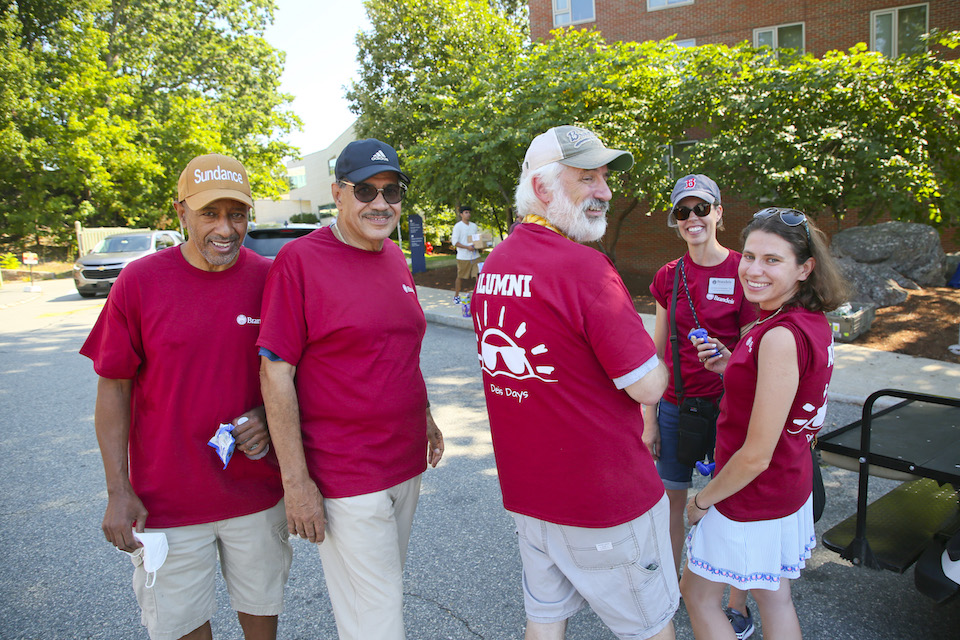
(691, 183)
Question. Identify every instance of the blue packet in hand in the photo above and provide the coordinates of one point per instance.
(224, 442)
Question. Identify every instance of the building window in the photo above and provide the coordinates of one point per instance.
(899, 32)
(297, 177)
(785, 36)
(332, 165)
(572, 12)
(654, 5)
(686, 43)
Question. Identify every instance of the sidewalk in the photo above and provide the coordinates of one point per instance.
(857, 371)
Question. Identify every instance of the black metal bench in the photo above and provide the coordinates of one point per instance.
(916, 441)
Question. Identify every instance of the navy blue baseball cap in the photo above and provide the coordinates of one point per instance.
(364, 158)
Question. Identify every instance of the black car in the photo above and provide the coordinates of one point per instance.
(267, 240)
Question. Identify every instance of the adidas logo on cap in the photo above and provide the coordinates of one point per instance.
(379, 156)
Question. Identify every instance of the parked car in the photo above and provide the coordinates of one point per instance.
(267, 240)
(97, 271)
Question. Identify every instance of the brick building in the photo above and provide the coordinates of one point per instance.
(815, 26)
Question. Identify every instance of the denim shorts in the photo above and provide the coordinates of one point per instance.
(675, 476)
(625, 573)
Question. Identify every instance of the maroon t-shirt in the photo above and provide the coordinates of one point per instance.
(717, 297)
(351, 323)
(786, 484)
(187, 339)
(558, 338)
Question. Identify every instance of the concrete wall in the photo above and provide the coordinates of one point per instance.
(279, 211)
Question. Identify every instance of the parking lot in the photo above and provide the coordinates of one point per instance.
(60, 579)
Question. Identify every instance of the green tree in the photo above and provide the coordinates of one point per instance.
(850, 133)
(422, 63)
(110, 99)
(458, 87)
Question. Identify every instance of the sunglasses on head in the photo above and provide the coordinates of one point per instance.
(682, 213)
(392, 193)
(789, 217)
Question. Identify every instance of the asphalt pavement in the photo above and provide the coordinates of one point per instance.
(60, 579)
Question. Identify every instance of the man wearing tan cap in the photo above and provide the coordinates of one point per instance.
(566, 363)
(175, 349)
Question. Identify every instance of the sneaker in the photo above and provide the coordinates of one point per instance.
(456, 299)
(742, 624)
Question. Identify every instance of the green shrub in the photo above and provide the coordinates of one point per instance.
(9, 261)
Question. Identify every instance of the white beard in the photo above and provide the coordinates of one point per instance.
(573, 220)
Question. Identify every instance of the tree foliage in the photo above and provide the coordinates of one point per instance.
(852, 132)
(102, 103)
(460, 90)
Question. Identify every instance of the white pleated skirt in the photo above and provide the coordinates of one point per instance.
(751, 555)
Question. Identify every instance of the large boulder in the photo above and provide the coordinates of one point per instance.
(909, 248)
(875, 284)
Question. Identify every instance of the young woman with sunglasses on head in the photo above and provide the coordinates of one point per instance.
(755, 517)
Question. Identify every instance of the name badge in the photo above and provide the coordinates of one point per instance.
(723, 286)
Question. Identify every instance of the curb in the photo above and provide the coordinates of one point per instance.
(449, 320)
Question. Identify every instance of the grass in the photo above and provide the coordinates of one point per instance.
(436, 259)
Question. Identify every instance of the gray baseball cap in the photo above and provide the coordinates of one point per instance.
(696, 185)
(574, 147)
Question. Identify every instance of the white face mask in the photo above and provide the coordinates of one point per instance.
(154, 552)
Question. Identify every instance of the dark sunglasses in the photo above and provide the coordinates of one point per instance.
(682, 213)
(392, 193)
(789, 217)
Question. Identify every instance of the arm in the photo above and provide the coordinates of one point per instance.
(651, 426)
(112, 422)
(434, 441)
(778, 378)
(456, 237)
(304, 503)
(648, 389)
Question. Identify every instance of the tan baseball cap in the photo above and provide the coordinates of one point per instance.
(212, 177)
(574, 147)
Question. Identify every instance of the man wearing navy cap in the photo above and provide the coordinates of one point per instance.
(347, 404)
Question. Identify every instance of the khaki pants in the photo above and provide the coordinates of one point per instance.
(363, 553)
